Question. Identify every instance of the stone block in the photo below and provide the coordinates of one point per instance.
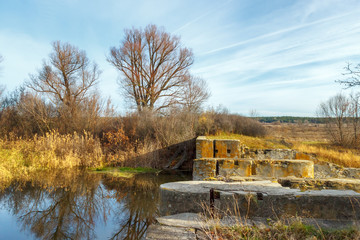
(284, 168)
(227, 149)
(204, 168)
(230, 167)
(275, 154)
(204, 148)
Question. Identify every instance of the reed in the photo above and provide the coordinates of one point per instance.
(22, 157)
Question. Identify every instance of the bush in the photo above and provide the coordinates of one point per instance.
(215, 121)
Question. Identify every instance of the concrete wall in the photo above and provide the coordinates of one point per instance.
(230, 167)
(227, 149)
(226, 158)
(220, 148)
(204, 168)
(204, 148)
(214, 167)
(283, 168)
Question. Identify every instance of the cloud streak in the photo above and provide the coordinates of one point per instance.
(279, 59)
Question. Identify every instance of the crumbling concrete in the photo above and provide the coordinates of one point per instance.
(259, 199)
(284, 168)
(204, 147)
(223, 158)
(216, 167)
(227, 149)
(219, 148)
(231, 167)
(327, 183)
(204, 168)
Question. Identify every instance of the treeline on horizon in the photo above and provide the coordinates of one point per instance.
(290, 119)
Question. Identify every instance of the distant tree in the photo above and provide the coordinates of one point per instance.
(67, 79)
(154, 67)
(336, 110)
(354, 116)
(353, 75)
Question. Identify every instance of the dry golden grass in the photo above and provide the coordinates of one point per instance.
(238, 226)
(330, 153)
(20, 158)
(298, 131)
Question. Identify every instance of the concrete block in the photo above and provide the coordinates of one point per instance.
(227, 149)
(284, 168)
(204, 147)
(204, 168)
(229, 167)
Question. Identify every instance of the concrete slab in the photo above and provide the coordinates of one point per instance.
(259, 199)
(185, 220)
(158, 232)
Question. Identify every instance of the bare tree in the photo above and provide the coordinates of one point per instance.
(194, 93)
(66, 78)
(354, 114)
(353, 75)
(154, 66)
(2, 88)
(42, 114)
(336, 110)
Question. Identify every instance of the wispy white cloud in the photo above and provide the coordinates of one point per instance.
(279, 60)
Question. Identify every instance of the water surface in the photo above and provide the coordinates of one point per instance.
(81, 205)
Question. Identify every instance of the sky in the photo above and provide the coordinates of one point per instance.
(272, 57)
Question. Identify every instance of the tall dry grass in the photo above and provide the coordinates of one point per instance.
(23, 157)
(331, 153)
(231, 224)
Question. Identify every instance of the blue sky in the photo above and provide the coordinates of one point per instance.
(278, 57)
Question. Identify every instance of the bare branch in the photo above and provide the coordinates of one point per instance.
(352, 74)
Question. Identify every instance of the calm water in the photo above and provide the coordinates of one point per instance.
(81, 205)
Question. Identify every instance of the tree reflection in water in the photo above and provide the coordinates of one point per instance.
(69, 205)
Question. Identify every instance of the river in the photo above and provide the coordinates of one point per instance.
(81, 205)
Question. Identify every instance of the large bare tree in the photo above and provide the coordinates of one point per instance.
(66, 79)
(154, 67)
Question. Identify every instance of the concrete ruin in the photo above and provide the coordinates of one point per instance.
(226, 158)
(273, 183)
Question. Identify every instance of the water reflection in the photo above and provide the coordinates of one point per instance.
(82, 205)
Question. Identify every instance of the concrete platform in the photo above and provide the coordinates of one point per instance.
(259, 199)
